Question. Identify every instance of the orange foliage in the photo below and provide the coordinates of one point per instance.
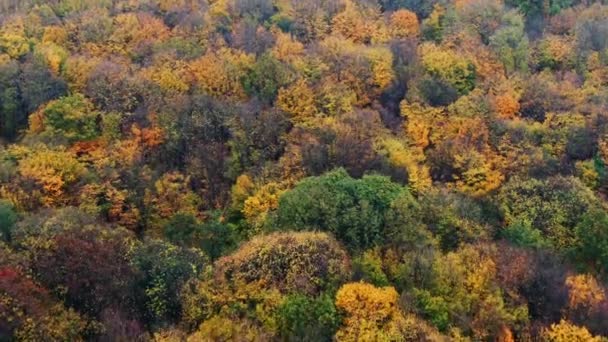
(404, 23)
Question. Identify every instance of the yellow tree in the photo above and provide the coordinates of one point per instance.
(54, 171)
(170, 75)
(360, 23)
(565, 331)
(171, 195)
(219, 72)
(298, 100)
(448, 65)
(13, 40)
(373, 314)
(286, 49)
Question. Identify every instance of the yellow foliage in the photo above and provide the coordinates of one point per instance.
(404, 24)
(446, 64)
(54, 55)
(264, 200)
(172, 195)
(480, 174)
(298, 100)
(336, 97)
(134, 29)
(204, 300)
(584, 290)
(565, 331)
(171, 5)
(557, 49)
(53, 170)
(371, 313)
(420, 121)
(114, 202)
(287, 49)
(14, 45)
(381, 60)
(410, 159)
(77, 70)
(55, 34)
(219, 72)
(170, 76)
(506, 105)
(241, 190)
(360, 24)
(218, 329)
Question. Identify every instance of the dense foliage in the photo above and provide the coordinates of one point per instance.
(303, 170)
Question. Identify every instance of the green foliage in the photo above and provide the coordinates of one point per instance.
(368, 268)
(215, 238)
(351, 209)
(521, 233)
(12, 117)
(8, 218)
(554, 206)
(511, 43)
(165, 268)
(72, 118)
(435, 308)
(302, 318)
(534, 8)
(265, 78)
(592, 240)
(465, 293)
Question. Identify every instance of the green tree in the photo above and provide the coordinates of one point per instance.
(73, 118)
(351, 209)
(266, 77)
(554, 206)
(302, 318)
(511, 43)
(8, 218)
(592, 240)
(165, 268)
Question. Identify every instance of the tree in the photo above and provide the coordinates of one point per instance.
(89, 267)
(351, 209)
(28, 311)
(165, 268)
(12, 115)
(372, 314)
(360, 23)
(591, 233)
(465, 293)
(38, 85)
(302, 318)
(404, 24)
(8, 218)
(290, 262)
(72, 118)
(224, 329)
(266, 77)
(219, 73)
(554, 206)
(54, 171)
(511, 43)
(448, 66)
(298, 100)
(566, 331)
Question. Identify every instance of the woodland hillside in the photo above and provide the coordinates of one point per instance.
(303, 170)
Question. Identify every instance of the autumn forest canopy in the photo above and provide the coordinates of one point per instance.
(304, 170)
